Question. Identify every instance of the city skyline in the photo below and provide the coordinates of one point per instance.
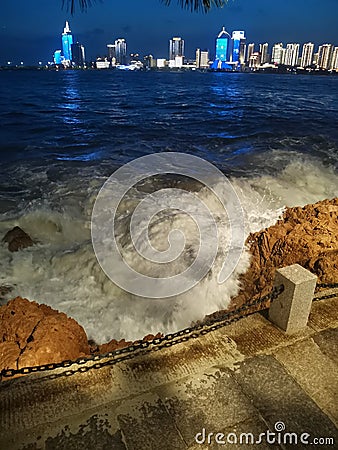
(147, 25)
(232, 53)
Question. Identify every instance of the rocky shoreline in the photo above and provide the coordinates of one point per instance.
(307, 236)
(34, 334)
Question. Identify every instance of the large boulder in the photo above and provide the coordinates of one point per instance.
(307, 236)
(17, 239)
(33, 334)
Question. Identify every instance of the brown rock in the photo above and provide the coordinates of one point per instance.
(56, 339)
(307, 236)
(33, 334)
(113, 345)
(17, 239)
(150, 337)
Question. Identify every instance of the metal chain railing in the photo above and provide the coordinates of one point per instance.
(139, 348)
(326, 286)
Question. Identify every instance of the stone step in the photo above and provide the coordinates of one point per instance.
(281, 401)
(314, 371)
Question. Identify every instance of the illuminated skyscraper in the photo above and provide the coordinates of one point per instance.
(111, 51)
(291, 55)
(334, 64)
(222, 51)
(263, 50)
(251, 49)
(78, 54)
(307, 55)
(325, 53)
(176, 48)
(278, 54)
(255, 60)
(238, 47)
(121, 51)
(223, 46)
(202, 59)
(67, 40)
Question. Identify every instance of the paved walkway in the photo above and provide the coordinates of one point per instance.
(248, 377)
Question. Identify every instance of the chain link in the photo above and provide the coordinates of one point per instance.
(140, 348)
(326, 286)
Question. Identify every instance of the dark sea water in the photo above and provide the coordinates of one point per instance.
(63, 133)
(227, 118)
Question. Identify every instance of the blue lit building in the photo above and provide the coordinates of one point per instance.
(57, 57)
(67, 41)
(223, 51)
(238, 48)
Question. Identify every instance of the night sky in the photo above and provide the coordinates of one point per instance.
(30, 29)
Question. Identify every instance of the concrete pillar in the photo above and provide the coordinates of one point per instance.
(290, 311)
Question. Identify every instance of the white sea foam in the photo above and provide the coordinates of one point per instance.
(62, 271)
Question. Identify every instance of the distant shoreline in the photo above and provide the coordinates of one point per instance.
(277, 71)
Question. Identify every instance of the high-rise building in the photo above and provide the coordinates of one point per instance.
(121, 51)
(307, 55)
(263, 50)
(222, 51)
(251, 49)
(278, 53)
(255, 60)
(176, 48)
(334, 63)
(291, 55)
(223, 46)
(325, 53)
(111, 51)
(202, 59)
(238, 47)
(78, 54)
(67, 40)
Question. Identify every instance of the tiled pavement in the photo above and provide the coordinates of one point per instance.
(248, 377)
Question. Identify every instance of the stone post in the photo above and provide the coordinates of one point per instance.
(290, 311)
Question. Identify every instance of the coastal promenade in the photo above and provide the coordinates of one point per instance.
(248, 377)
